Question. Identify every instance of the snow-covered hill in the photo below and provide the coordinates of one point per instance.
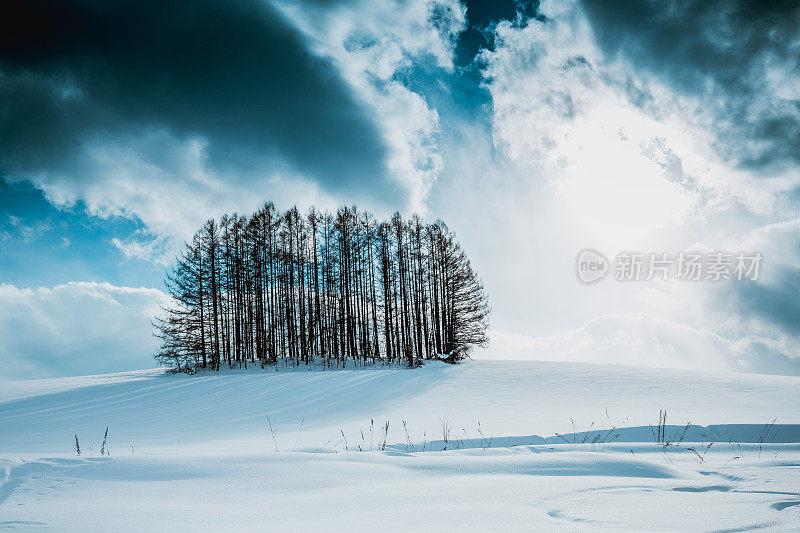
(559, 445)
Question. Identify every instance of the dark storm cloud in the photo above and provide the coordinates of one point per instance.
(231, 72)
(690, 43)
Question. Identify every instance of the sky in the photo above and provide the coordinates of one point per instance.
(535, 130)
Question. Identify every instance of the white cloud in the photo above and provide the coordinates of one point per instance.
(18, 229)
(591, 151)
(165, 182)
(779, 242)
(624, 150)
(146, 246)
(643, 340)
(76, 328)
(371, 43)
(554, 106)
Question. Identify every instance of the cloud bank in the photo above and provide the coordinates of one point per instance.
(76, 328)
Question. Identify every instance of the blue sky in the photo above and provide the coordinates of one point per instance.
(46, 244)
(533, 129)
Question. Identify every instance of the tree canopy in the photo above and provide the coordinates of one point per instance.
(321, 288)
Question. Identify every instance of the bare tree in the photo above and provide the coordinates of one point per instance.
(332, 288)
